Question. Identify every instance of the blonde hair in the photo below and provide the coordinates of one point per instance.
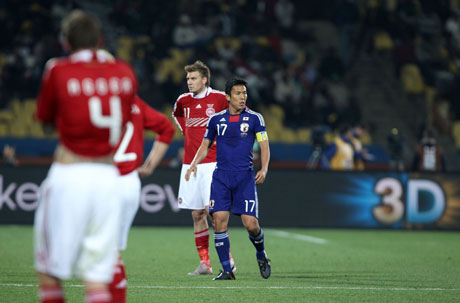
(199, 66)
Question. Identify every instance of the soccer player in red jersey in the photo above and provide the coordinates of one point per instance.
(191, 113)
(88, 97)
(128, 158)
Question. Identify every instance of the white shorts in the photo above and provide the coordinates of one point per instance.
(130, 192)
(195, 193)
(77, 223)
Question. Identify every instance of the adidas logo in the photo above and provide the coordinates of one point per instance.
(198, 106)
(222, 120)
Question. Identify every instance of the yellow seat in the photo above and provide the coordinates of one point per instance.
(383, 41)
(366, 138)
(412, 79)
(288, 135)
(303, 135)
(125, 45)
(456, 132)
(4, 129)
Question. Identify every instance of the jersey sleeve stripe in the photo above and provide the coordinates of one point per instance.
(182, 96)
(218, 91)
(177, 123)
(261, 118)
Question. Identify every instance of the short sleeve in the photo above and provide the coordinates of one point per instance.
(46, 100)
(259, 124)
(210, 129)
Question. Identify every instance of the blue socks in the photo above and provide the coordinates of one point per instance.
(258, 242)
(223, 249)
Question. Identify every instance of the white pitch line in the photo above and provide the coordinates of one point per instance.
(261, 287)
(284, 234)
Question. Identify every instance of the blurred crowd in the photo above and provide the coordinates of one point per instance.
(423, 38)
(294, 54)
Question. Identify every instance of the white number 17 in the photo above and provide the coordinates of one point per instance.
(224, 128)
(253, 203)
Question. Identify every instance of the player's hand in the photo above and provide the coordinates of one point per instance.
(260, 176)
(191, 170)
(144, 171)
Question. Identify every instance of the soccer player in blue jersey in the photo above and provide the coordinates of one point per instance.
(233, 186)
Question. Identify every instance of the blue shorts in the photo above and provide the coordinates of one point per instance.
(234, 191)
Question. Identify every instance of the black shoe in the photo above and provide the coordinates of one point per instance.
(224, 275)
(265, 268)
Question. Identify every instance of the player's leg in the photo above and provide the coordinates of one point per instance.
(200, 214)
(247, 205)
(99, 251)
(50, 290)
(220, 205)
(190, 198)
(207, 171)
(201, 230)
(130, 188)
(97, 292)
(58, 231)
(256, 236)
(223, 244)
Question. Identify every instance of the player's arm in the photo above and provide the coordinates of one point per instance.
(178, 115)
(199, 156)
(153, 159)
(160, 124)
(262, 138)
(46, 100)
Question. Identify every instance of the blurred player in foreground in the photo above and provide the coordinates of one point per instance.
(233, 186)
(191, 113)
(88, 96)
(128, 159)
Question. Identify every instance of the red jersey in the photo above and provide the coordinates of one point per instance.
(130, 152)
(88, 97)
(191, 114)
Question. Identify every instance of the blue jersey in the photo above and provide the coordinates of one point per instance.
(234, 136)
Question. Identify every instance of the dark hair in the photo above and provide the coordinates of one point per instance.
(231, 83)
(81, 30)
(200, 67)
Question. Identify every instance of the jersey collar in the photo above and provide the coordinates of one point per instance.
(203, 94)
(245, 109)
(87, 55)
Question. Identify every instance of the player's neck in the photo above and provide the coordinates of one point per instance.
(234, 111)
(201, 93)
(74, 51)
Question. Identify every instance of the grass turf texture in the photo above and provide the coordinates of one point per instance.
(349, 266)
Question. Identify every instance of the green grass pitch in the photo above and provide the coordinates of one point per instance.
(308, 265)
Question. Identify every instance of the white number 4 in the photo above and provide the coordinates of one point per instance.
(112, 121)
(253, 203)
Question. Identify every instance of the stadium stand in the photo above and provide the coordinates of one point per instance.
(307, 63)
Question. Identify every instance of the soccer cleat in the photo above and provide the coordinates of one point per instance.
(224, 275)
(265, 268)
(202, 269)
(233, 265)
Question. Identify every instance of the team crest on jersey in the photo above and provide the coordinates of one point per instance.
(135, 109)
(210, 110)
(244, 127)
(245, 118)
(211, 203)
